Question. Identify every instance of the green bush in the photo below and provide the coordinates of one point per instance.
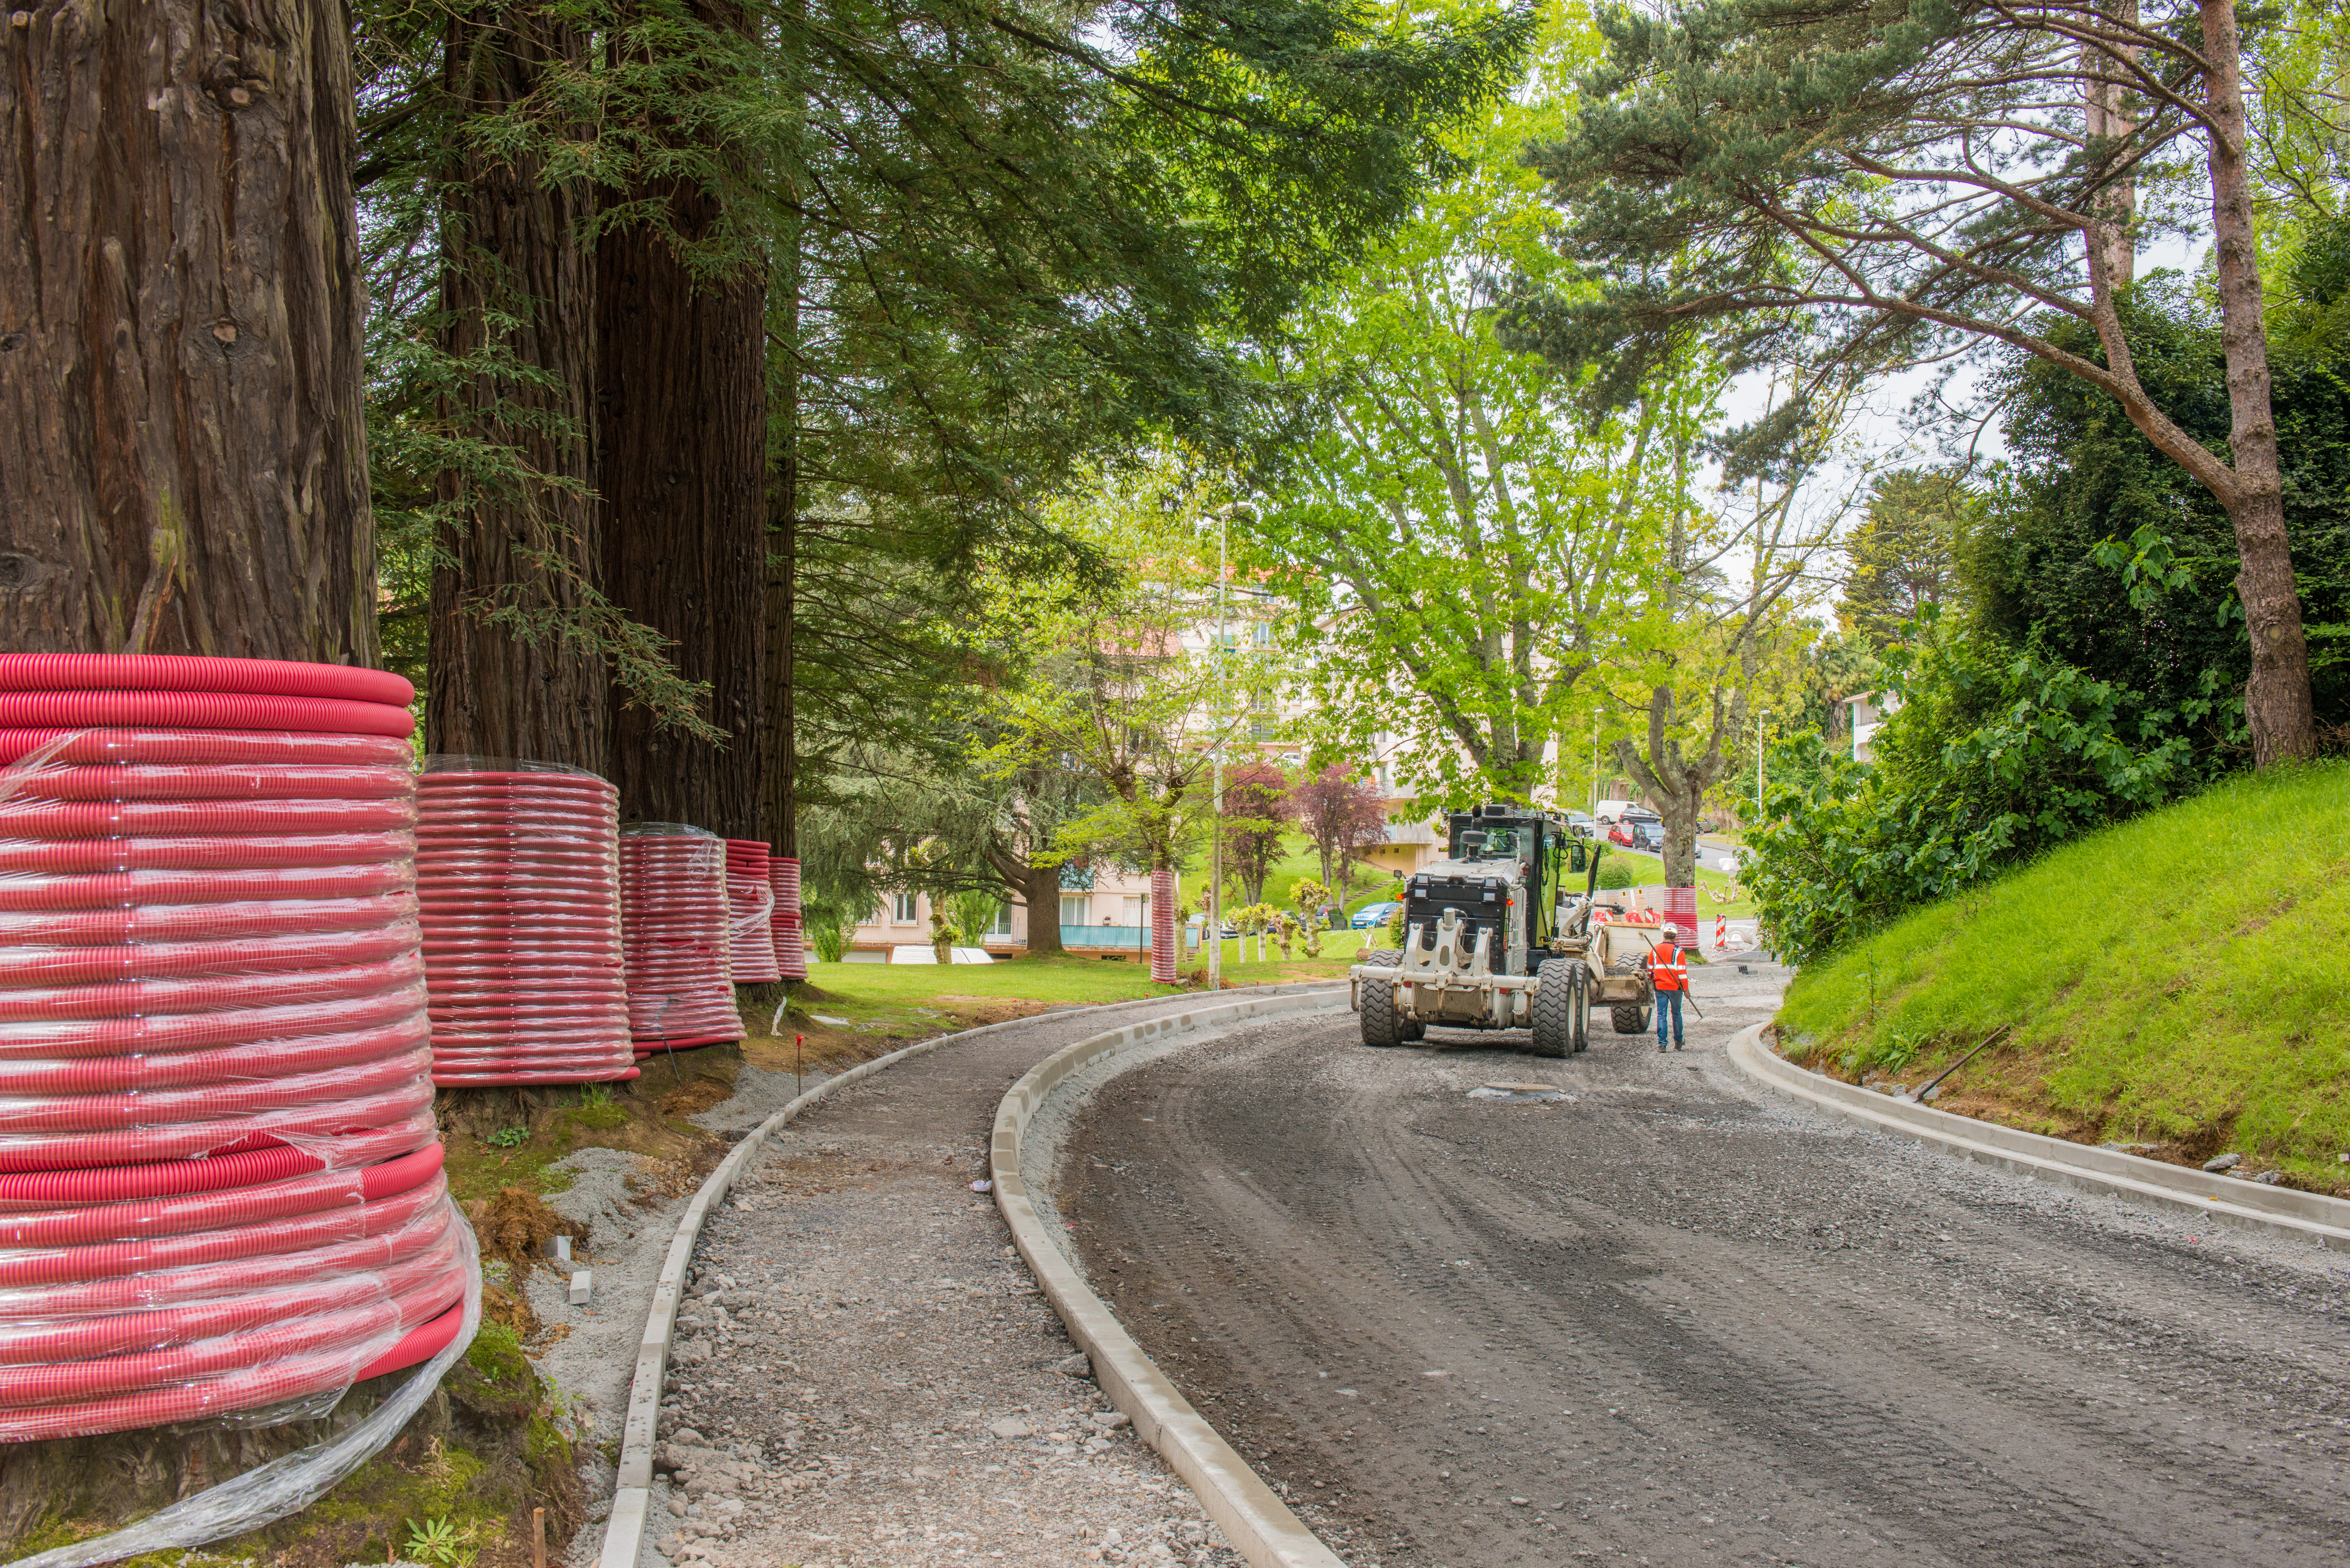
(1992, 759)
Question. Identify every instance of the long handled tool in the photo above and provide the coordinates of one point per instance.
(1962, 1062)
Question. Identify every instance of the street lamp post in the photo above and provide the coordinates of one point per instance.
(1760, 717)
(1214, 934)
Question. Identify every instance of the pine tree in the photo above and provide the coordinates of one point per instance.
(1838, 182)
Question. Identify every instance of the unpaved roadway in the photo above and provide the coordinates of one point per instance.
(1676, 1320)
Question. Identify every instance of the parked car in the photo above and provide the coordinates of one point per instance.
(1638, 829)
(1371, 916)
(1580, 824)
(1611, 812)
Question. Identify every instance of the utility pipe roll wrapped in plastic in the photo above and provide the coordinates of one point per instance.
(673, 936)
(750, 909)
(517, 868)
(220, 1185)
(786, 924)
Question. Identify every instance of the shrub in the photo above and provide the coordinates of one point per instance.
(1991, 760)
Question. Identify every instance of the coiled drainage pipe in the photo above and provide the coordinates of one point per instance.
(220, 1182)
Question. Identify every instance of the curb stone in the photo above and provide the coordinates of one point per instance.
(2307, 1216)
(624, 1530)
(1251, 1515)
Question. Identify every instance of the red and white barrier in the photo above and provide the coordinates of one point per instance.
(750, 913)
(673, 937)
(787, 927)
(220, 1182)
(517, 870)
(1162, 927)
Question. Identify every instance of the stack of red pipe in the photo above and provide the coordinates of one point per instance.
(220, 1184)
(673, 937)
(784, 925)
(518, 870)
(750, 909)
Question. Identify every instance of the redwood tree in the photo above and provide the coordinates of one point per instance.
(682, 402)
(515, 671)
(185, 466)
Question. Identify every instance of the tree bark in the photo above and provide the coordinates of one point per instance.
(682, 399)
(779, 748)
(2278, 706)
(1676, 784)
(185, 467)
(520, 549)
(1042, 892)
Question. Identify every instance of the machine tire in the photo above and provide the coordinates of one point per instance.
(1579, 1007)
(1379, 1016)
(1633, 1017)
(1391, 957)
(1410, 1029)
(1555, 992)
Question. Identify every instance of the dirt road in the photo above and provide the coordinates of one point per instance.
(1673, 1320)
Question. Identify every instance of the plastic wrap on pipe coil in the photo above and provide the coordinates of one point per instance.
(221, 1193)
(517, 868)
(786, 924)
(673, 936)
(750, 914)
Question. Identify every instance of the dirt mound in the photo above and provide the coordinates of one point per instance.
(515, 1227)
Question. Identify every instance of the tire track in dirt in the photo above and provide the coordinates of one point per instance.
(1684, 1322)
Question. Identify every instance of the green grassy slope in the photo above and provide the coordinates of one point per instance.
(2176, 981)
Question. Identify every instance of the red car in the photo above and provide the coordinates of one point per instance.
(1638, 830)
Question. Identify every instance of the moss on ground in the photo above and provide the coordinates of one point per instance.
(2174, 983)
(491, 1445)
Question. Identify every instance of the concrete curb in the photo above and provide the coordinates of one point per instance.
(624, 1530)
(1250, 1513)
(2308, 1216)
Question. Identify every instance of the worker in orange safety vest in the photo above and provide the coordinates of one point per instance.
(1669, 978)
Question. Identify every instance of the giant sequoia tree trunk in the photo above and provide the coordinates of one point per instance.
(183, 468)
(682, 390)
(520, 551)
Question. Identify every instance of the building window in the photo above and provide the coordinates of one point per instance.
(1002, 925)
(904, 910)
(1073, 909)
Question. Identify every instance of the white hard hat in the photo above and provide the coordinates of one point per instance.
(1672, 931)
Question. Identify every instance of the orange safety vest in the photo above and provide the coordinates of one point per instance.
(1668, 971)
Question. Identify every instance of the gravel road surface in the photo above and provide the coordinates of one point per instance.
(1675, 1320)
(867, 1375)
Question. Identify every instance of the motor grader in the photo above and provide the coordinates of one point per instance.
(1492, 941)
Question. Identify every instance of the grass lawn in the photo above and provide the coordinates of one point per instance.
(909, 1000)
(2175, 981)
(1648, 871)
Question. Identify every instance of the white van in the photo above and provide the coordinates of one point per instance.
(1610, 812)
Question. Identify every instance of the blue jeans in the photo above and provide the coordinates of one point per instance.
(1668, 1002)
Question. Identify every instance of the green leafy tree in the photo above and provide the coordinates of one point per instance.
(1256, 819)
(2097, 550)
(1840, 183)
(1111, 691)
(1450, 543)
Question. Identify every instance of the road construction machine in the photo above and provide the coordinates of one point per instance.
(1492, 940)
